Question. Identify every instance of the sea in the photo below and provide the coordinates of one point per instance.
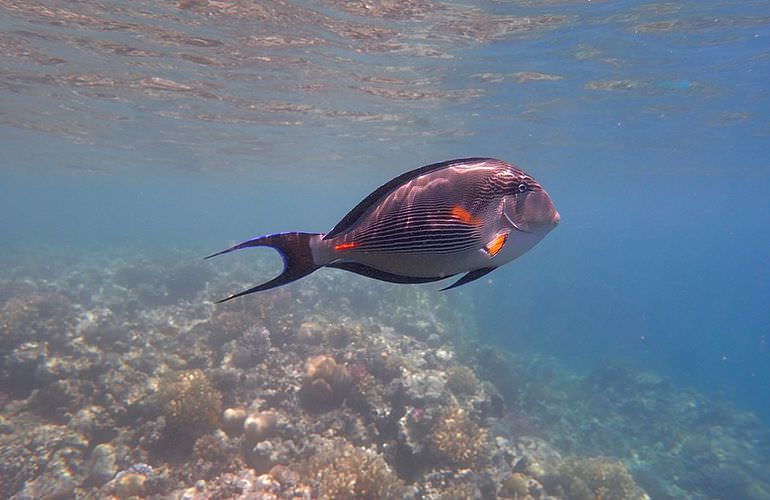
(137, 137)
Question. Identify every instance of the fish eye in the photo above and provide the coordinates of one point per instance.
(523, 187)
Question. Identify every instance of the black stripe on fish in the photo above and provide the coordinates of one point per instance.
(445, 243)
(423, 235)
(422, 245)
(409, 227)
(429, 233)
(417, 251)
(408, 221)
(450, 243)
(428, 229)
(359, 210)
(415, 209)
(406, 218)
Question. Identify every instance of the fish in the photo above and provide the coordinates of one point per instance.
(464, 216)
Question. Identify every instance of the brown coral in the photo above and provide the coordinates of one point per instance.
(515, 486)
(130, 485)
(455, 438)
(590, 478)
(228, 325)
(461, 380)
(212, 455)
(34, 317)
(232, 420)
(259, 426)
(347, 472)
(326, 382)
(190, 402)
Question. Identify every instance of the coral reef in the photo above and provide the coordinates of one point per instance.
(144, 388)
(591, 478)
(347, 472)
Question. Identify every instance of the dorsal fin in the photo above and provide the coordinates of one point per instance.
(352, 217)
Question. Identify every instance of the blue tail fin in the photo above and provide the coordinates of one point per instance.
(296, 253)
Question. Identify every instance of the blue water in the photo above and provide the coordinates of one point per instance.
(150, 125)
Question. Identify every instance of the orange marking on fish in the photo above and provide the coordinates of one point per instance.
(460, 213)
(496, 244)
(346, 246)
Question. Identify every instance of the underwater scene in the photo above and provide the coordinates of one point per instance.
(486, 249)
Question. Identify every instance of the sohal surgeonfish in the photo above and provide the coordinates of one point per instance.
(469, 215)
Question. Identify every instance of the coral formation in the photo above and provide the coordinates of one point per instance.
(591, 478)
(457, 439)
(515, 486)
(460, 491)
(326, 382)
(346, 472)
(251, 348)
(131, 484)
(35, 317)
(189, 402)
(232, 420)
(462, 381)
(212, 455)
(258, 427)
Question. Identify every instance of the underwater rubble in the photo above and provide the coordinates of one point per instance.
(120, 378)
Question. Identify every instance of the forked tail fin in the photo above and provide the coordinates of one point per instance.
(296, 253)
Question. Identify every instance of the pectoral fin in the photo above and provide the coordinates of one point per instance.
(494, 246)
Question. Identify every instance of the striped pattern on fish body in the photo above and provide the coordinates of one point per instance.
(461, 216)
(435, 224)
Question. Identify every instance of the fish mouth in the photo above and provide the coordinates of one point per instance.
(550, 224)
(537, 213)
